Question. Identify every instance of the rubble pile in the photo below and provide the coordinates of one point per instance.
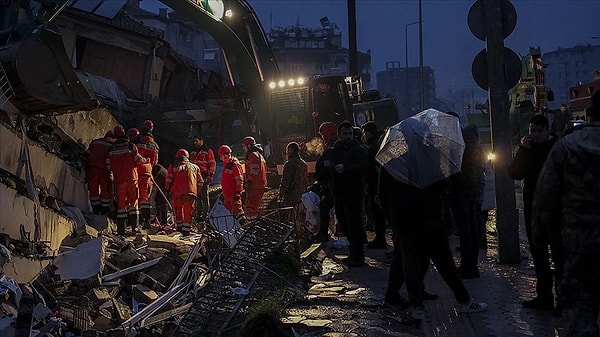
(106, 285)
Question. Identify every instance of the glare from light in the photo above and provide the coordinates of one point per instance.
(491, 156)
(281, 83)
(216, 7)
(228, 13)
(291, 82)
(300, 81)
(272, 85)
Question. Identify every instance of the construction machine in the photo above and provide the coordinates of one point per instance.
(530, 95)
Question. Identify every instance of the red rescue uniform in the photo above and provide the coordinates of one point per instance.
(147, 149)
(97, 176)
(232, 184)
(184, 181)
(122, 159)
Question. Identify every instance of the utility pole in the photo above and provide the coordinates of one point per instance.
(353, 57)
(421, 81)
(507, 219)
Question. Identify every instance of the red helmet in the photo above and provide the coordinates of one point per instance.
(119, 131)
(328, 130)
(249, 140)
(133, 132)
(224, 150)
(182, 153)
(148, 125)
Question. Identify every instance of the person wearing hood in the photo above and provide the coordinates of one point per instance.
(294, 178)
(183, 181)
(566, 210)
(526, 165)
(255, 176)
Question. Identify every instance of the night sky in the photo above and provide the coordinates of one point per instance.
(449, 46)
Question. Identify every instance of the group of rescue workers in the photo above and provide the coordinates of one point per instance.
(123, 167)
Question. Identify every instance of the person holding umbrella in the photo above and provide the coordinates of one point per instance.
(418, 155)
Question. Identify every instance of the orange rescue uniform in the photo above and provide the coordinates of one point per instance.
(184, 181)
(147, 149)
(122, 159)
(97, 176)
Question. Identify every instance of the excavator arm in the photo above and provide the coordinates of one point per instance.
(243, 41)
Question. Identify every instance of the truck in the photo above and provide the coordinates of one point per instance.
(298, 107)
(580, 97)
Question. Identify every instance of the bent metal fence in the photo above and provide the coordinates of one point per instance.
(237, 257)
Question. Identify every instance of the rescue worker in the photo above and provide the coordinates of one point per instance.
(376, 216)
(96, 174)
(256, 176)
(204, 157)
(148, 149)
(133, 133)
(232, 183)
(183, 182)
(122, 159)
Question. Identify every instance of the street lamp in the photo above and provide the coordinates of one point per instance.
(406, 97)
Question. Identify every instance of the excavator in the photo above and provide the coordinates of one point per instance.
(530, 95)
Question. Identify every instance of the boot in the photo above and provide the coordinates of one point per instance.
(132, 221)
(97, 209)
(145, 218)
(121, 226)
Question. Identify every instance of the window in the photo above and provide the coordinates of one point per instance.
(212, 54)
(185, 38)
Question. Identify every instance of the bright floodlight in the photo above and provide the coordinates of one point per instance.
(228, 13)
(281, 83)
(291, 82)
(491, 156)
(272, 85)
(300, 81)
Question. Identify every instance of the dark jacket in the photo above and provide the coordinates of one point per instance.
(527, 164)
(294, 180)
(354, 158)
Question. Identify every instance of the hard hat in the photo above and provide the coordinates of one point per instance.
(224, 150)
(249, 140)
(119, 131)
(109, 134)
(133, 132)
(148, 125)
(328, 130)
(182, 153)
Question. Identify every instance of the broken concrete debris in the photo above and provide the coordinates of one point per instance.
(106, 285)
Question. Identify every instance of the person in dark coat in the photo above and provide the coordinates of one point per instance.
(464, 201)
(566, 209)
(349, 167)
(375, 214)
(526, 165)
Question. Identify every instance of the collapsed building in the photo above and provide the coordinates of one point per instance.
(60, 90)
